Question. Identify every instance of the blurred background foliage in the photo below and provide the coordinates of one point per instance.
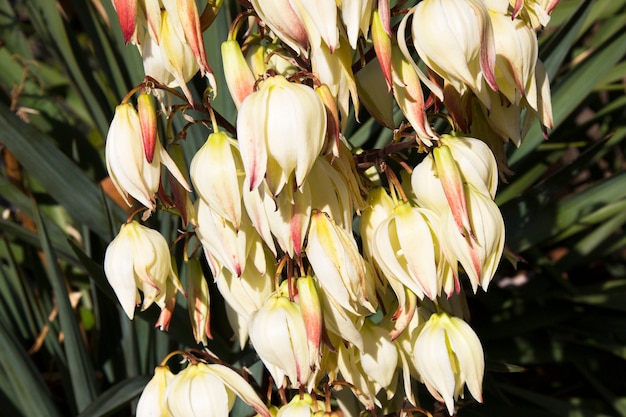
(554, 329)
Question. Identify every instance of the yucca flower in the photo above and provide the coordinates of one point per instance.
(152, 402)
(479, 254)
(281, 130)
(222, 241)
(216, 172)
(283, 19)
(127, 159)
(334, 69)
(247, 293)
(455, 39)
(284, 217)
(279, 335)
(448, 356)
(339, 267)
(516, 57)
(356, 15)
(407, 249)
(139, 259)
(320, 20)
(209, 391)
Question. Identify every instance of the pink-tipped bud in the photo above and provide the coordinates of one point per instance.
(148, 123)
(452, 182)
(311, 309)
(239, 77)
(382, 44)
(198, 301)
(190, 21)
(407, 91)
(127, 15)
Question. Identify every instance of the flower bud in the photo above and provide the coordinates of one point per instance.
(127, 14)
(239, 77)
(281, 130)
(139, 259)
(311, 307)
(449, 355)
(407, 91)
(198, 301)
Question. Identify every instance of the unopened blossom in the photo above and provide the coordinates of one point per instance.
(408, 93)
(139, 259)
(209, 391)
(239, 77)
(198, 301)
(311, 308)
(127, 159)
(281, 130)
(455, 39)
(278, 333)
(152, 402)
(449, 356)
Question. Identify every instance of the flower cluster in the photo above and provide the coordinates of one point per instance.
(340, 266)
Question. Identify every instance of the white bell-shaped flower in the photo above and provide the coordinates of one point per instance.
(281, 130)
(139, 259)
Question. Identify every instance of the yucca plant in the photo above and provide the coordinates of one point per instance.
(550, 324)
